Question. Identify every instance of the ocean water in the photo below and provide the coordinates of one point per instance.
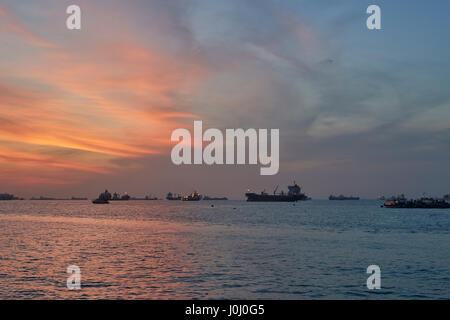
(317, 249)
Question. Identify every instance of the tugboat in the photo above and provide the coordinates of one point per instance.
(342, 197)
(103, 198)
(193, 197)
(294, 194)
(170, 196)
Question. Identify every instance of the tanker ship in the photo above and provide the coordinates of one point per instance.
(294, 194)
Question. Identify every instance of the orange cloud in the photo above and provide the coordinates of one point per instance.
(34, 160)
(111, 99)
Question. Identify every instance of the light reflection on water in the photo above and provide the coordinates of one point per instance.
(175, 250)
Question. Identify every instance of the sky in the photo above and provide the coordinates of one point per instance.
(361, 112)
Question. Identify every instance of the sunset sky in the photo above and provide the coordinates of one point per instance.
(359, 111)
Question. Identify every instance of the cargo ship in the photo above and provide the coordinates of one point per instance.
(214, 198)
(294, 194)
(342, 197)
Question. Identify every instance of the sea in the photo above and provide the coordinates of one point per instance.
(316, 249)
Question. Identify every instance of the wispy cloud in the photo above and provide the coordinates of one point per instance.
(117, 99)
(13, 25)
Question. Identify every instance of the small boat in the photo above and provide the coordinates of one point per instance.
(100, 201)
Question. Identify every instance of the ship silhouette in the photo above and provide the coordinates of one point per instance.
(294, 194)
(342, 197)
(193, 197)
(171, 196)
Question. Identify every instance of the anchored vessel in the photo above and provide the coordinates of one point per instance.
(78, 198)
(103, 198)
(149, 197)
(422, 203)
(7, 196)
(342, 197)
(117, 197)
(171, 196)
(214, 198)
(294, 194)
(193, 197)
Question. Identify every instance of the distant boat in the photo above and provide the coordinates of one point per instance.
(193, 197)
(100, 201)
(170, 196)
(103, 198)
(422, 203)
(342, 197)
(214, 198)
(381, 198)
(146, 198)
(117, 197)
(7, 196)
(75, 198)
(294, 194)
(48, 198)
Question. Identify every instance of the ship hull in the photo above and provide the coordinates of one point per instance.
(340, 198)
(100, 201)
(253, 197)
(416, 205)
